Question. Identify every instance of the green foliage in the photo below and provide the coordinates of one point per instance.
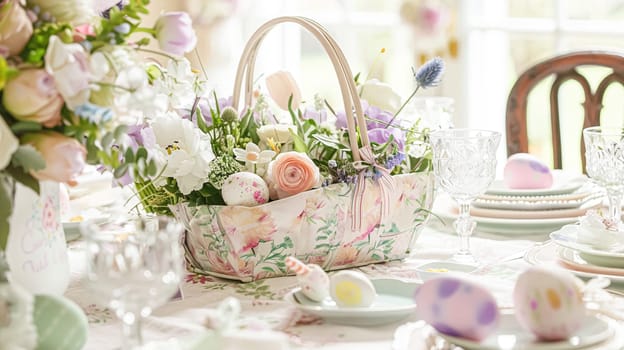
(36, 47)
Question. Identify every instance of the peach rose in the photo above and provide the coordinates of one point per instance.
(281, 86)
(64, 157)
(15, 27)
(293, 172)
(32, 96)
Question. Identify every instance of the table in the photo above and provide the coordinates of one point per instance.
(263, 307)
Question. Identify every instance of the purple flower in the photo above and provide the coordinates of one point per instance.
(225, 102)
(376, 117)
(318, 116)
(382, 135)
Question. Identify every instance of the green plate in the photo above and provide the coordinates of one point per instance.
(394, 302)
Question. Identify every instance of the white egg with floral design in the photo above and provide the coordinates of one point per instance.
(246, 189)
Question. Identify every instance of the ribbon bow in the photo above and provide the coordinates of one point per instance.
(387, 187)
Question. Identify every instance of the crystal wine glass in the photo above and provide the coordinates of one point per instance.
(464, 163)
(604, 154)
(134, 264)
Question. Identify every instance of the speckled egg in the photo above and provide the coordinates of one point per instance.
(246, 189)
(525, 171)
(458, 307)
(549, 302)
(351, 289)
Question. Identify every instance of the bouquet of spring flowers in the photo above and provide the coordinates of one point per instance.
(211, 153)
(279, 177)
(71, 80)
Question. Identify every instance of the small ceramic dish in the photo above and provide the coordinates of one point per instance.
(440, 268)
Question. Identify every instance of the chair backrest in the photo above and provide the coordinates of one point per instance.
(563, 68)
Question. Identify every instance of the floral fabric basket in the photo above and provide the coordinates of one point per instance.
(338, 226)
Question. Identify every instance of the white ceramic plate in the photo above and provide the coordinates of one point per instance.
(534, 202)
(443, 209)
(563, 182)
(393, 303)
(546, 255)
(572, 259)
(567, 237)
(439, 268)
(72, 228)
(511, 335)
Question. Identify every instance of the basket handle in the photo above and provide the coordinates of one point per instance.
(350, 96)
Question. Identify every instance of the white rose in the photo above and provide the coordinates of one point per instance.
(280, 133)
(380, 95)
(8, 144)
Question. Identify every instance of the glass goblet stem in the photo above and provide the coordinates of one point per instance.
(615, 205)
(464, 225)
(132, 336)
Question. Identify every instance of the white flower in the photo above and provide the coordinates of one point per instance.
(255, 159)
(138, 95)
(17, 328)
(186, 150)
(72, 11)
(179, 83)
(8, 144)
(73, 69)
(598, 231)
(380, 95)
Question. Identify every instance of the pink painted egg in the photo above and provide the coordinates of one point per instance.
(549, 303)
(246, 189)
(457, 307)
(525, 171)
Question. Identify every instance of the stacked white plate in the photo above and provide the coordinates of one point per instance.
(530, 212)
(589, 258)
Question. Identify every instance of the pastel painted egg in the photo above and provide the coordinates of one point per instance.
(549, 302)
(246, 189)
(525, 171)
(351, 289)
(457, 307)
(315, 283)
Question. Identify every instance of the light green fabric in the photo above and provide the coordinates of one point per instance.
(61, 324)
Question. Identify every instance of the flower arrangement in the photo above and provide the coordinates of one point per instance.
(71, 81)
(214, 154)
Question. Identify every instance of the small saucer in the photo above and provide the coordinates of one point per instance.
(394, 302)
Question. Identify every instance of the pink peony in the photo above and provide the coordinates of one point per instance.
(174, 32)
(64, 156)
(15, 27)
(32, 96)
(291, 173)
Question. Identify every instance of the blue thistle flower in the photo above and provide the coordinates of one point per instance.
(430, 73)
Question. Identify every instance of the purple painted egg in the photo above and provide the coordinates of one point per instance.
(457, 307)
(549, 303)
(525, 171)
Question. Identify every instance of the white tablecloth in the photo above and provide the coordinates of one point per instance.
(262, 302)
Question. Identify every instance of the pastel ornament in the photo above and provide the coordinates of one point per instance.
(351, 289)
(246, 189)
(549, 302)
(457, 307)
(525, 171)
(313, 281)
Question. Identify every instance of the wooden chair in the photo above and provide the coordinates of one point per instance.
(564, 69)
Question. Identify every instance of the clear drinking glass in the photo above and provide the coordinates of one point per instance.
(464, 163)
(134, 264)
(604, 156)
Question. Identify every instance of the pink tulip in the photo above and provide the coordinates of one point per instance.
(281, 86)
(64, 156)
(32, 96)
(15, 27)
(174, 32)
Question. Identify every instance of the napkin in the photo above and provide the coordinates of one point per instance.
(596, 230)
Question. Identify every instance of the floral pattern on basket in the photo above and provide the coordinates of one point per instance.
(250, 243)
